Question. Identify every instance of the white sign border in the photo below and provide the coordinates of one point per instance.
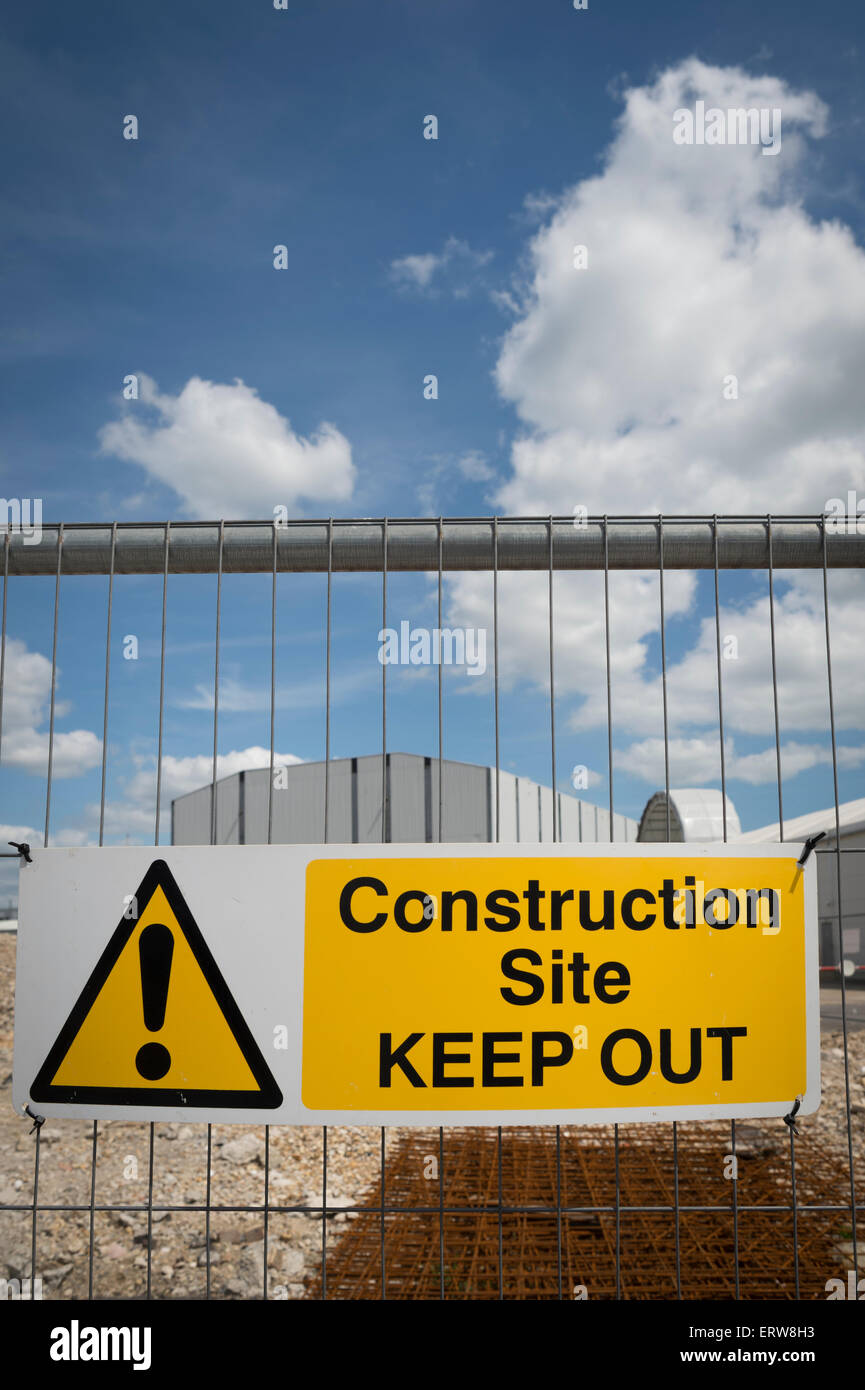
(121, 869)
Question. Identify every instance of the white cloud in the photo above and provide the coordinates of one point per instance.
(800, 641)
(180, 775)
(536, 206)
(70, 838)
(135, 813)
(227, 453)
(702, 262)
(456, 265)
(579, 628)
(416, 270)
(26, 698)
(695, 761)
(21, 834)
(475, 468)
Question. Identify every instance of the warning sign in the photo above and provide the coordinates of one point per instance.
(604, 984)
(418, 984)
(156, 1019)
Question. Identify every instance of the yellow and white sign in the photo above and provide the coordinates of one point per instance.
(198, 1053)
(418, 984)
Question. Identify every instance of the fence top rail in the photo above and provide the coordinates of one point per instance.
(467, 543)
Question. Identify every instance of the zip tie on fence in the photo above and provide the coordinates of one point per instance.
(38, 1120)
(809, 845)
(791, 1118)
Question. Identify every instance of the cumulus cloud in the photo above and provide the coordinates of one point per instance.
(801, 669)
(228, 453)
(180, 775)
(703, 263)
(26, 699)
(134, 813)
(455, 267)
(698, 760)
(579, 627)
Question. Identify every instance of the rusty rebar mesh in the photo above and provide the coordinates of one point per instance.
(544, 1255)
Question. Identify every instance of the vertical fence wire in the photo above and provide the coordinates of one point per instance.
(53, 684)
(667, 800)
(95, 1132)
(108, 617)
(6, 543)
(496, 676)
(92, 1214)
(792, 1140)
(162, 678)
(384, 540)
(273, 565)
(777, 722)
(555, 838)
(151, 1148)
(769, 540)
(213, 839)
(49, 771)
(735, 1177)
(327, 661)
(439, 586)
(273, 559)
(840, 903)
(610, 779)
(439, 687)
(499, 1199)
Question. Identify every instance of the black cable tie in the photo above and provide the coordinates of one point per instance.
(22, 849)
(38, 1120)
(809, 845)
(791, 1118)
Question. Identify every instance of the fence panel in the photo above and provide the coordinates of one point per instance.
(550, 548)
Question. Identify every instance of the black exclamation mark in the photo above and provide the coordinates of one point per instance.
(155, 949)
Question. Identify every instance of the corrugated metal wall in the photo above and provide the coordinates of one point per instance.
(354, 810)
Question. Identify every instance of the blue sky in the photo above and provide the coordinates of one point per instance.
(407, 257)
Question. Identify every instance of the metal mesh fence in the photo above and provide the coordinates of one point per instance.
(511, 1217)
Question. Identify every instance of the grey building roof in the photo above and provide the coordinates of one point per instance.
(247, 812)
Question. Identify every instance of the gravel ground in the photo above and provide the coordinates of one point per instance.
(178, 1250)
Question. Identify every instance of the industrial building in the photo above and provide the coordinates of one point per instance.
(242, 805)
(697, 814)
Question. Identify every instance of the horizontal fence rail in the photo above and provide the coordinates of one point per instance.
(466, 544)
(439, 546)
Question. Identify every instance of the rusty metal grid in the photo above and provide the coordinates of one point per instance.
(570, 1250)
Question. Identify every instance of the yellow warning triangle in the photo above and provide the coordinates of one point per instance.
(156, 1020)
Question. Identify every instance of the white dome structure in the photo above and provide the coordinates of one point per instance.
(696, 814)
